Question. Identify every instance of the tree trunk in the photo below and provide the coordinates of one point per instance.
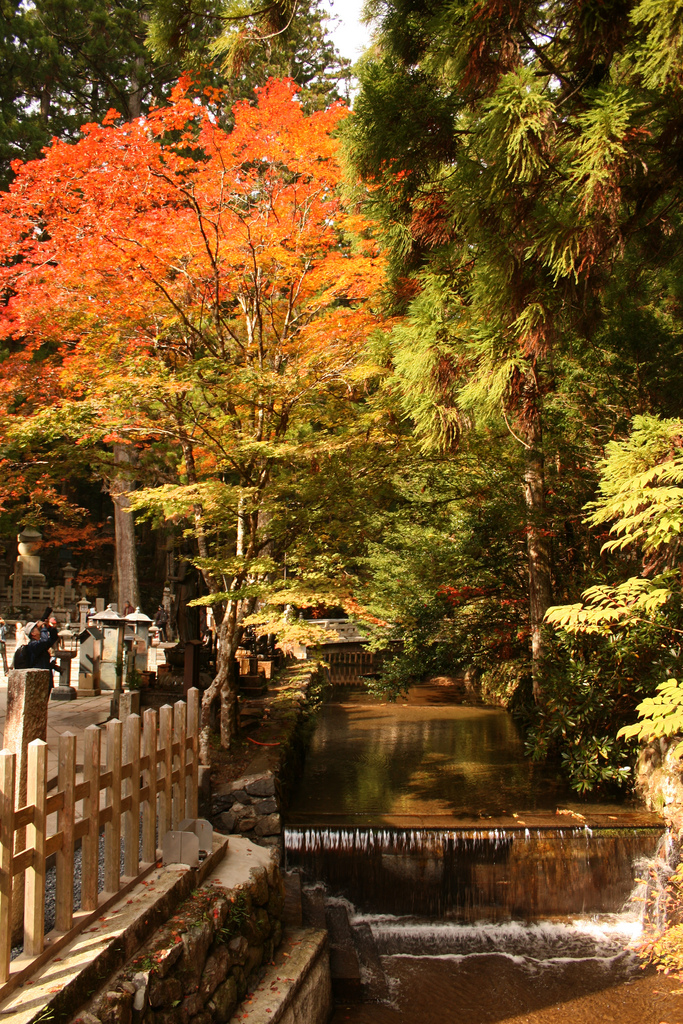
(537, 541)
(124, 526)
(230, 633)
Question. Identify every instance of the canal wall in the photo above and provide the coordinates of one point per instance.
(201, 964)
(659, 780)
(252, 805)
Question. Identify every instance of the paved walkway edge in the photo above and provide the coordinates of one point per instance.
(57, 990)
(296, 988)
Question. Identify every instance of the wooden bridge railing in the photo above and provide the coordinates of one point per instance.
(150, 773)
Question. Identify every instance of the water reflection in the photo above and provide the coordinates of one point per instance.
(372, 763)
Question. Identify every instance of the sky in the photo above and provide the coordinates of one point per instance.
(350, 36)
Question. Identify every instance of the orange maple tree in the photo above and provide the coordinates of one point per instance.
(203, 288)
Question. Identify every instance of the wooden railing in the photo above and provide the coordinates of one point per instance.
(150, 774)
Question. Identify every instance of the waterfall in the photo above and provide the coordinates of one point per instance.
(475, 874)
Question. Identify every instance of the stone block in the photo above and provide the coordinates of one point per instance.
(196, 942)
(268, 806)
(273, 843)
(259, 886)
(225, 822)
(276, 901)
(116, 1007)
(261, 785)
(221, 908)
(246, 818)
(254, 959)
(238, 949)
(165, 959)
(224, 1001)
(240, 980)
(141, 997)
(164, 992)
(277, 933)
(270, 825)
(172, 1016)
(191, 1005)
(240, 796)
(26, 720)
(260, 922)
(26, 716)
(221, 803)
(215, 972)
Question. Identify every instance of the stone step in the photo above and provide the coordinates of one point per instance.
(296, 986)
(293, 911)
(344, 963)
(313, 906)
(252, 686)
(374, 980)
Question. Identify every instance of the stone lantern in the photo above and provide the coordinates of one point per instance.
(112, 626)
(90, 648)
(139, 638)
(83, 607)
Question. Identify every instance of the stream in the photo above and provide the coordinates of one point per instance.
(491, 891)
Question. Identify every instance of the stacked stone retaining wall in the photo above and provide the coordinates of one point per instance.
(198, 966)
(253, 805)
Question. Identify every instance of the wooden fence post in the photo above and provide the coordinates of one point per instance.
(166, 796)
(112, 829)
(7, 775)
(34, 883)
(180, 737)
(66, 819)
(131, 823)
(92, 753)
(193, 733)
(149, 811)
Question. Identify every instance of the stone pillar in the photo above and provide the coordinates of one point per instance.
(128, 704)
(27, 695)
(18, 584)
(69, 573)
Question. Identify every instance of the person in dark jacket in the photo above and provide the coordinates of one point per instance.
(3, 644)
(161, 621)
(42, 635)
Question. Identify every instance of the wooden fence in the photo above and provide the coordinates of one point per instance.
(150, 775)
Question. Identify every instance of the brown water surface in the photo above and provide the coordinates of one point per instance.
(493, 990)
(485, 880)
(418, 763)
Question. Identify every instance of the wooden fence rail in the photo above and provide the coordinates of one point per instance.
(151, 771)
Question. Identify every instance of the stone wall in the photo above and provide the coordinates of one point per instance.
(198, 966)
(249, 806)
(253, 805)
(659, 780)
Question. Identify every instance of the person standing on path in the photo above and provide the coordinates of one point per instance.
(42, 635)
(3, 644)
(161, 621)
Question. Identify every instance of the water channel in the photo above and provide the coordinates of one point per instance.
(491, 891)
